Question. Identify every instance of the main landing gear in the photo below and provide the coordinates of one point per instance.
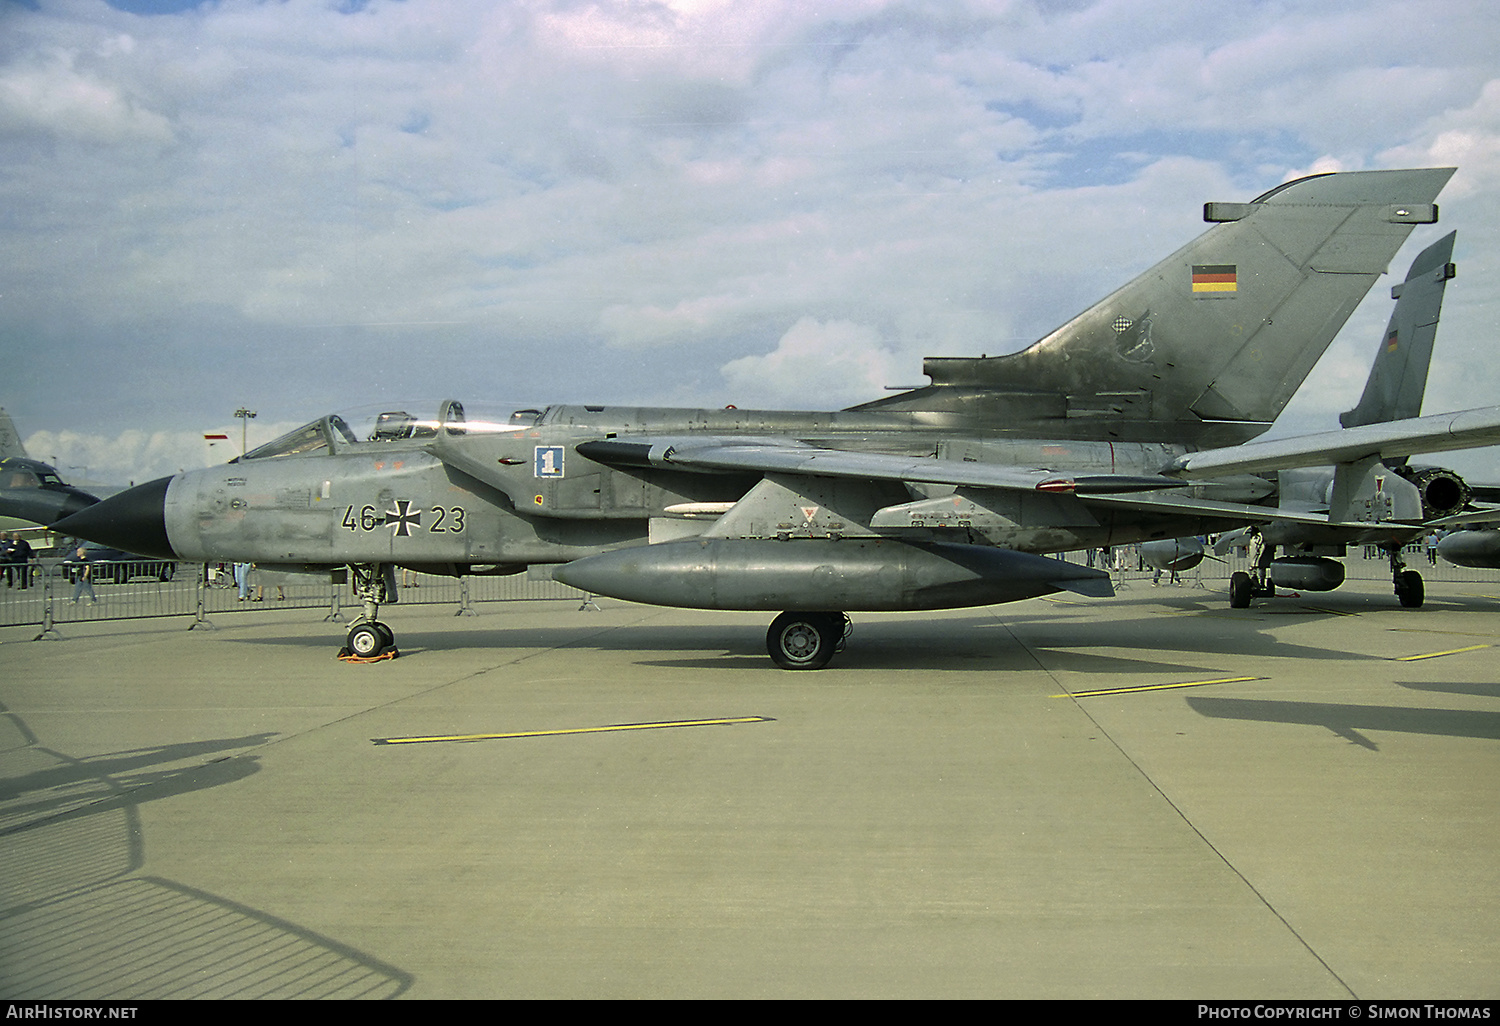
(368, 638)
(1410, 591)
(806, 641)
(1243, 588)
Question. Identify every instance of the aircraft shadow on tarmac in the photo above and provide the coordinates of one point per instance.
(80, 924)
(1477, 690)
(1347, 721)
(1007, 640)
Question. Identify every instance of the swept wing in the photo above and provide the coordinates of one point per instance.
(1439, 432)
(789, 459)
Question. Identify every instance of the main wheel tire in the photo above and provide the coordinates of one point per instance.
(368, 640)
(1409, 589)
(804, 641)
(1240, 589)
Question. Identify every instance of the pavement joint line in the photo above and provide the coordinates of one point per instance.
(433, 738)
(1188, 822)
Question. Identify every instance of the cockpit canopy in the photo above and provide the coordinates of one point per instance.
(20, 472)
(371, 427)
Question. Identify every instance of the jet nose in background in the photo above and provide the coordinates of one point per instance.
(43, 506)
(134, 520)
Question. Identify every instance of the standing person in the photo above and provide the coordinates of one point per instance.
(7, 556)
(21, 555)
(242, 579)
(83, 582)
(1432, 544)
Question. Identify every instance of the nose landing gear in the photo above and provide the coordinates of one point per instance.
(369, 639)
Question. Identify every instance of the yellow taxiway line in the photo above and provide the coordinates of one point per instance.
(1156, 687)
(1434, 655)
(570, 730)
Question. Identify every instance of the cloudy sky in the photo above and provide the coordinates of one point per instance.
(313, 204)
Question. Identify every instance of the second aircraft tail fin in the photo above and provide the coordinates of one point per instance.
(1398, 377)
(10, 441)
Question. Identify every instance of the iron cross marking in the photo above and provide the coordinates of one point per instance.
(404, 517)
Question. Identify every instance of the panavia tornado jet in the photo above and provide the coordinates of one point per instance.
(940, 497)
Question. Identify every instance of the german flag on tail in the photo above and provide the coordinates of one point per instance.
(1215, 278)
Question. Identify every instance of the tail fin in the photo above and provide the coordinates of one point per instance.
(10, 441)
(1398, 377)
(1208, 346)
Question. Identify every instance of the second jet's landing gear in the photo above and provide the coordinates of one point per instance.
(1243, 588)
(374, 583)
(806, 641)
(1410, 591)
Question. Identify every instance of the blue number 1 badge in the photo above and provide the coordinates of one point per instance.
(549, 461)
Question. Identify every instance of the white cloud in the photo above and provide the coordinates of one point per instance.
(1467, 138)
(839, 362)
(52, 97)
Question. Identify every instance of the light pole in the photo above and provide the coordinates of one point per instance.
(246, 416)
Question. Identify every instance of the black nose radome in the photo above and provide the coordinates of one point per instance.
(134, 520)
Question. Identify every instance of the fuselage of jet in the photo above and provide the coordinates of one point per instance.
(492, 497)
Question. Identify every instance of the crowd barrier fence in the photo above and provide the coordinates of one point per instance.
(45, 596)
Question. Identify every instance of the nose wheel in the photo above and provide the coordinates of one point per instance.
(369, 640)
